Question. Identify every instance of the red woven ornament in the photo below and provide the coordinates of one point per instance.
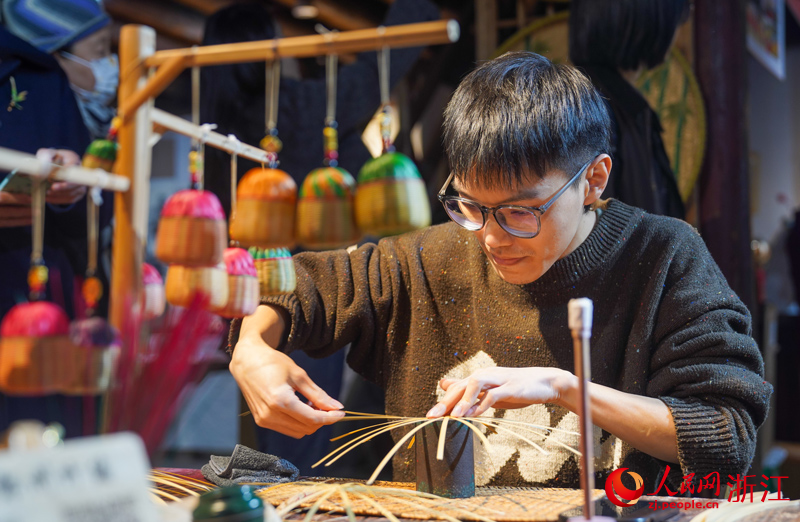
(191, 231)
(243, 289)
(33, 338)
(154, 298)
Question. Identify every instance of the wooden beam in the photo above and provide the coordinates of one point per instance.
(181, 24)
(409, 35)
(334, 16)
(205, 7)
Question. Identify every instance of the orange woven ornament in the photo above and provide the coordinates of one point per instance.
(184, 282)
(265, 209)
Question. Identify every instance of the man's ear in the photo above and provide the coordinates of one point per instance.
(596, 178)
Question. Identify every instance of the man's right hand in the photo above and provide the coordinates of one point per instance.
(269, 379)
(15, 210)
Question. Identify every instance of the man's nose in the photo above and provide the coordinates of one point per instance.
(494, 236)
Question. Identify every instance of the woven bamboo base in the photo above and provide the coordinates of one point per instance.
(276, 275)
(41, 366)
(391, 206)
(243, 296)
(184, 282)
(498, 504)
(264, 224)
(326, 224)
(93, 371)
(191, 241)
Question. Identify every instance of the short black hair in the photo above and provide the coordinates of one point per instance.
(519, 116)
(624, 34)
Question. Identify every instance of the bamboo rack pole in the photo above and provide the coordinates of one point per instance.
(174, 61)
(133, 162)
(212, 139)
(30, 165)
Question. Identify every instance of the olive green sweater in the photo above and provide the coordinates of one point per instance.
(427, 304)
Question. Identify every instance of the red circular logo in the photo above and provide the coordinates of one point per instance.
(618, 493)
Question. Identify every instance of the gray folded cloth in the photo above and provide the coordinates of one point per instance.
(247, 465)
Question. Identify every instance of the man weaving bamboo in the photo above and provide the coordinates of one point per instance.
(470, 317)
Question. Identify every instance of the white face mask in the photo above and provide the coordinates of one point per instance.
(97, 105)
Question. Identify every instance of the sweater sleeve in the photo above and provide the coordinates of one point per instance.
(705, 365)
(345, 297)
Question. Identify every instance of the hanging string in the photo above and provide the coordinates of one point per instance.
(195, 96)
(198, 173)
(273, 73)
(92, 287)
(235, 146)
(330, 134)
(331, 73)
(271, 143)
(386, 108)
(383, 74)
(38, 273)
(196, 154)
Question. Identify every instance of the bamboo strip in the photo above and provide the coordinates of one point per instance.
(213, 139)
(30, 165)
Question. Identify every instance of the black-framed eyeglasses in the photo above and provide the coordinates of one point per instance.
(517, 220)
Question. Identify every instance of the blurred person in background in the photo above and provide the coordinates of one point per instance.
(613, 42)
(58, 83)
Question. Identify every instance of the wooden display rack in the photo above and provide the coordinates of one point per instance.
(145, 73)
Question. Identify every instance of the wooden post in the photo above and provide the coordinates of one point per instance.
(133, 162)
(724, 185)
(485, 29)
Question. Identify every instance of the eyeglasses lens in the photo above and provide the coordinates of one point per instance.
(518, 222)
(465, 214)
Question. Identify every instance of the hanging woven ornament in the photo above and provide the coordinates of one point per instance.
(91, 359)
(102, 153)
(275, 269)
(154, 297)
(95, 349)
(192, 229)
(325, 206)
(391, 196)
(185, 282)
(266, 197)
(34, 335)
(243, 295)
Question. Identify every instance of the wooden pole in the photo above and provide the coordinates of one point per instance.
(133, 163)
(171, 63)
(408, 35)
(724, 186)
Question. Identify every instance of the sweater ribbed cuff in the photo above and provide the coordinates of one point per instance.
(286, 301)
(706, 440)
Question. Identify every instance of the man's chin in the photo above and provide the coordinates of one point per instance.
(516, 275)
